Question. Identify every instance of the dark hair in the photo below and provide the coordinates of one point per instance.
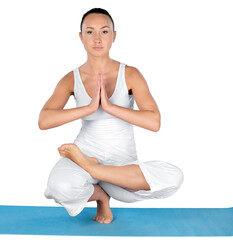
(97, 10)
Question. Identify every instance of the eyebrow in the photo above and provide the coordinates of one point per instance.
(101, 27)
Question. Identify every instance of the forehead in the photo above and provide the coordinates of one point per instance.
(97, 20)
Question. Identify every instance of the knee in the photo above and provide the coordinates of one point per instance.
(178, 178)
(63, 188)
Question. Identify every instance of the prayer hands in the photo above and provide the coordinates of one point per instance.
(100, 96)
(105, 103)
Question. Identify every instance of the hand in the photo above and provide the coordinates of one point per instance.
(95, 101)
(105, 103)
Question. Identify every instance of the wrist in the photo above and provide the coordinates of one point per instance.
(109, 109)
(91, 109)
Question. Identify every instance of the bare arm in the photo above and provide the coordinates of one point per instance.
(52, 114)
(148, 115)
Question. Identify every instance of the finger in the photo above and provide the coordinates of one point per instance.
(98, 83)
(101, 78)
(102, 84)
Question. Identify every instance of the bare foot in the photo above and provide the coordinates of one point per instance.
(72, 151)
(104, 213)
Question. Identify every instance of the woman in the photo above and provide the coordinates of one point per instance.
(102, 161)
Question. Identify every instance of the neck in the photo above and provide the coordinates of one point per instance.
(97, 65)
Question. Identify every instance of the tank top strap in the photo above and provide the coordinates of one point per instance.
(78, 86)
(121, 85)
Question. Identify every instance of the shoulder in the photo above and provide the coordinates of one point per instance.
(133, 76)
(67, 81)
(131, 71)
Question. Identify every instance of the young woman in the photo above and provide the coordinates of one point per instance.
(102, 161)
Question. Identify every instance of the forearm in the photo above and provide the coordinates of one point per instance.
(50, 118)
(141, 118)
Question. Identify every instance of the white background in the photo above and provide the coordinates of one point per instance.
(183, 49)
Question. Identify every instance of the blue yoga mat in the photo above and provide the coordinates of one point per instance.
(30, 220)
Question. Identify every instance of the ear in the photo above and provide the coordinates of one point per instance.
(81, 37)
(114, 36)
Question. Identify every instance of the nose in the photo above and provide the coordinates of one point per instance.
(97, 38)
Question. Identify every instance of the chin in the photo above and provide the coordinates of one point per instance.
(98, 54)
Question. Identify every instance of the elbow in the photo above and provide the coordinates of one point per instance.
(41, 125)
(41, 122)
(157, 123)
(156, 127)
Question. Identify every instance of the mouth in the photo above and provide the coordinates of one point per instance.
(98, 48)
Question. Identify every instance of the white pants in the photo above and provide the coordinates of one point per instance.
(112, 142)
(71, 186)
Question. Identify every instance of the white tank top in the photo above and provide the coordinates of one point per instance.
(119, 97)
(103, 135)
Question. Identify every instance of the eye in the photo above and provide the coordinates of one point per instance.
(89, 32)
(105, 32)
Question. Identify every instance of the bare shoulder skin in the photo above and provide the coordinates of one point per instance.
(138, 86)
(62, 92)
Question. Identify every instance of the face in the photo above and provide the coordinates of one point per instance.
(97, 34)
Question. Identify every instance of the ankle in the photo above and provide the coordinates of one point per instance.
(103, 197)
(103, 202)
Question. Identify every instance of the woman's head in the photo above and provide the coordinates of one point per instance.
(97, 31)
(98, 11)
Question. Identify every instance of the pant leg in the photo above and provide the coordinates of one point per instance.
(163, 178)
(118, 192)
(70, 186)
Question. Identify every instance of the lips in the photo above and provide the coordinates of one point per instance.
(98, 48)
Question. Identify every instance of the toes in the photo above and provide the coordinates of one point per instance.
(107, 220)
(102, 220)
(99, 219)
(62, 147)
